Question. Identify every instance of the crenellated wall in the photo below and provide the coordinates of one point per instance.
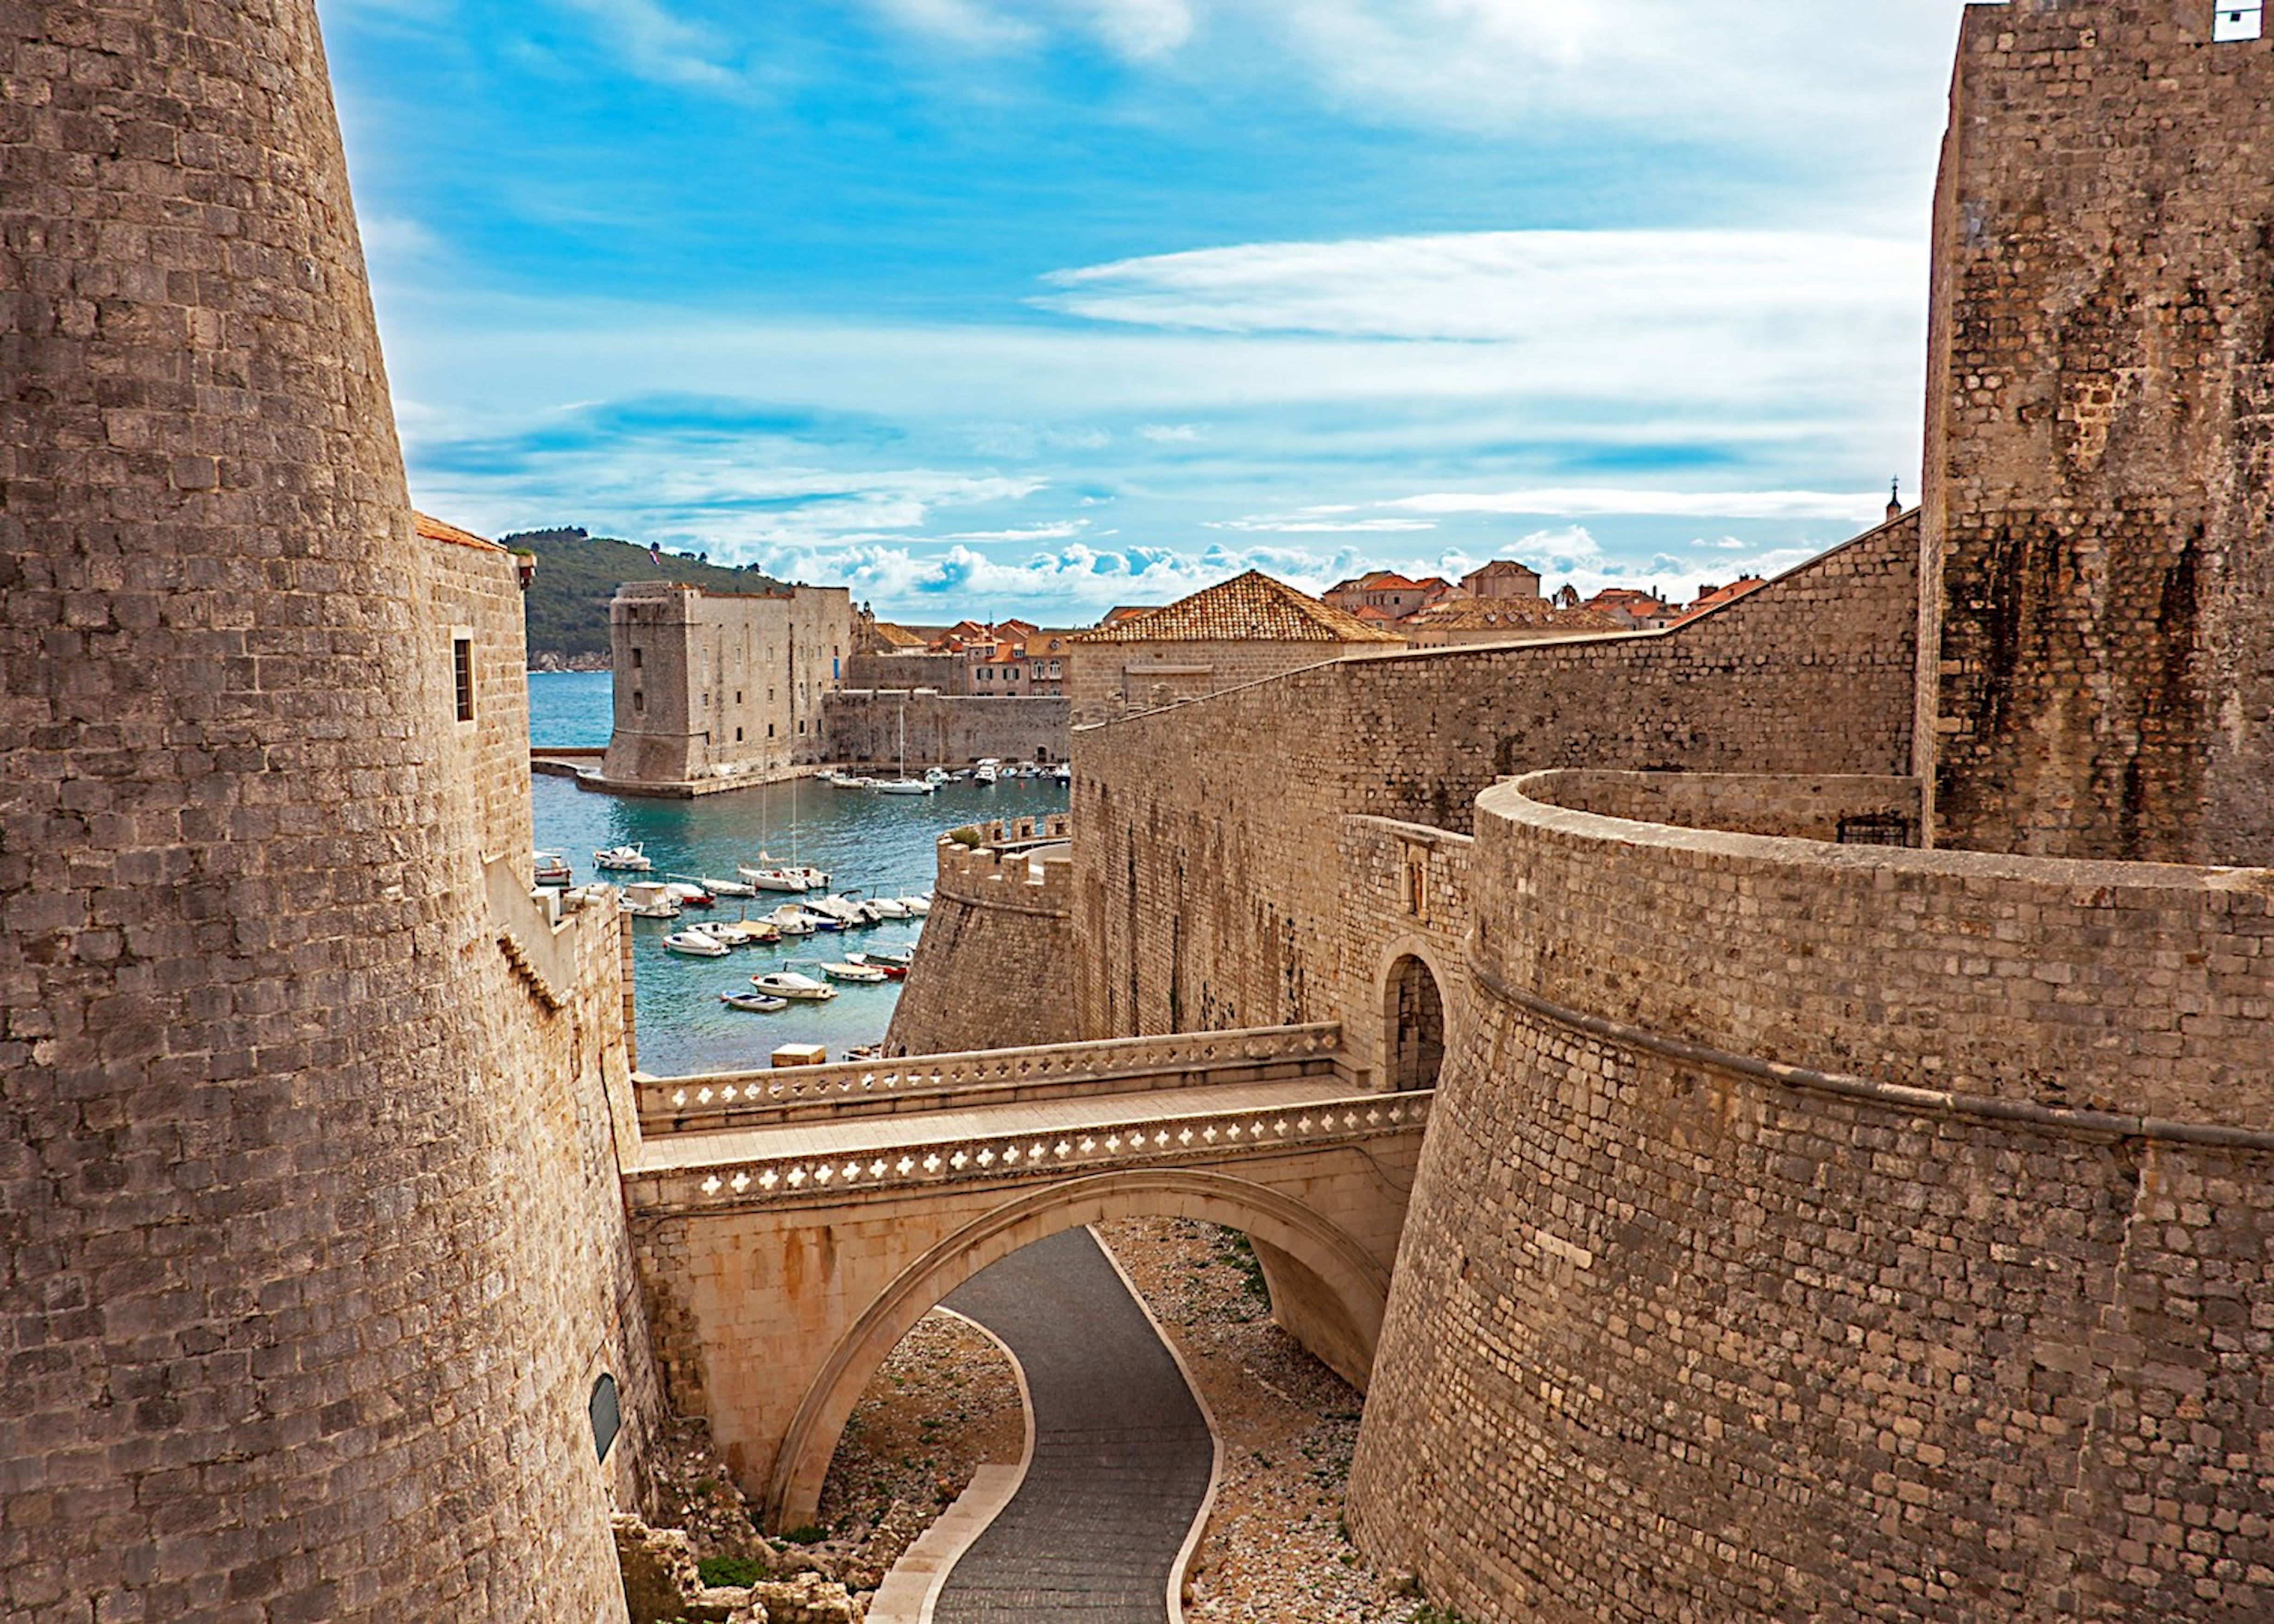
(1202, 897)
(1809, 1231)
(994, 969)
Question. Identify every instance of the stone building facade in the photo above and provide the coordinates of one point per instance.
(315, 1253)
(1002, 932)
(715, 689)
(864, 727)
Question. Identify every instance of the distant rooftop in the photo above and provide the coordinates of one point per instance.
(1511, 615)
(433, 530)
(1249, 608)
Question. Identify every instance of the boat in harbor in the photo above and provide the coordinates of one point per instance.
(988, 771)
(790, 984)
(791, 921)
(791, 880)
(906, 787)
(722, 888)
(756, 1002)
(887, 907)
(622, 859)
(890, 958)
(745, 932)
(552, 869)
(918, 907)
(866, 974)
(649, 900)
(886, 969)
(689, 895)
(695, 943)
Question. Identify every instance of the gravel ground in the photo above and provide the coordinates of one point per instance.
(1274, 1546)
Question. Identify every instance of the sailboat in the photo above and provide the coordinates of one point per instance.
(905, 785)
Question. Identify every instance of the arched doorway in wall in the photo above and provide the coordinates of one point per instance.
(1414, 1010)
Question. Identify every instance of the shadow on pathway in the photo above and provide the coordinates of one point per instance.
(1122, 1453)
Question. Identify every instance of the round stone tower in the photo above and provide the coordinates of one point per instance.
(273, 1307)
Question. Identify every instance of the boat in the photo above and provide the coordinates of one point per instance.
(869, 975)
(884, 968)
(756, 1002)
(845, 913)
(745, 932)
(622, 859)
(917, 906)
(552, 869)
(907, 787)
(791, 879)
(988, 771)
(818, 920)
(937, 775)
(791, 921)
(725, 888)
(695, 943)
(889, 956)
(865, 1051)
(688, 896)
(887, 907)
(650, 900)
(1063, 772)
(790, 984)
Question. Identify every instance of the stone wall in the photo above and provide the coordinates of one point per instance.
(1405, 894)
(284, 1196)
(714, 686)
(1762, 1264)
(1107, 681)
(1861, 810)
(905, 672)
(864, 727)
(477, 594)
(994, 969)
(1201, 897)
(2100, 479)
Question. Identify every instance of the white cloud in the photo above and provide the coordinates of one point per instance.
(658, 45)
(1170, 433)
(1587, 503)
(1140, 29)
(964, 23)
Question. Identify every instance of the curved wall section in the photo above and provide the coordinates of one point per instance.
(995, 968)
(1681, 1329)
(298, 1253)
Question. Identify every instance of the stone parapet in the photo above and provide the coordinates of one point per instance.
(2141, 988)
(996, 962)
(929, 1082)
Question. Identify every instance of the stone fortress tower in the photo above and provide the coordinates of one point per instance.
(307, 1269)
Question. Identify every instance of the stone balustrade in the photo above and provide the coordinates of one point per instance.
(1141, 1139)
(723, 1101)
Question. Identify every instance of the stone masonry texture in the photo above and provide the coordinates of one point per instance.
(2100, 483)
(994, 969)
(303, 1275)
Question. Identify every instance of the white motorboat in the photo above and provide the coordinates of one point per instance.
(816, 879)
(936, 775)
(687, 895)
(695, 943)
(888, 907)
(791, 880)
(1063, 772)
(867, 974)
(648, 899)
(791, 921)
(845, 913)
(906, 787)
(623, 860)
(891, 969)
(888, 955)
(790, 984)
(917, 906)
(756, 1002)
(726, 888)
(988, 771)
(551, 868)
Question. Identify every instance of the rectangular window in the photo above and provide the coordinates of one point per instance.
(462, 669)
(738, 696)
(738, 735)
(636, 657)
(639, 702)
(2238, 19)
(769, 730)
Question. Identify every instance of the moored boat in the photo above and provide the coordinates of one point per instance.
(648, 899)
(689, 896)
(695, 943)
(885, 968)
(791, 921)
(552, 869)
(888, 907)
(917, 906)
(791, 879)
(790, 984)
(726, 888)
(869, 975)
(622, 859)
(906, 787)
(756, 1002)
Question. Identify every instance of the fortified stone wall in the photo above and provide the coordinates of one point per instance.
(1203, 900)
(1405, 894)
(1868, 811)
(477, 594)
(721, 685)
(905, 672)
(995, 967)
(2100, 476)
(1107, 681)
(1691, 1321)
(943, 730)
(285, 1200)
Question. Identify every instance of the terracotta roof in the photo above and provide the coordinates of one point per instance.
(1249, 608)
(896, 636)
(1386, 580)
(434, 530)
(1116, 615)
(1513, 614)
(1719, 596)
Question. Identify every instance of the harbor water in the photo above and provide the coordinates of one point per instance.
(871, 846)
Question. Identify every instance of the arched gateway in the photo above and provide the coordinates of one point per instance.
(1413, 1014)
(791, 1228)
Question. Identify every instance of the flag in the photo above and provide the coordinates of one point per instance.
(655, 552)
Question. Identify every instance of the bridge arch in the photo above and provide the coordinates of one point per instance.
(1341, 1290)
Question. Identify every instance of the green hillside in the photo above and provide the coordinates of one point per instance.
(577, 576)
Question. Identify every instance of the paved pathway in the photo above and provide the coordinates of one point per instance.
(1122, 1454)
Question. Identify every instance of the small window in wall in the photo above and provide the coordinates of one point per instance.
(2242, 20)
(738, 735)
(769, 730)
(462, 672)
(738, 696)
(639, 702)
(607, 1411)
(636, 657)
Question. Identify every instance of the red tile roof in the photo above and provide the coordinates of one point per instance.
(434, 530)
(1511, 615)
(1249, 608)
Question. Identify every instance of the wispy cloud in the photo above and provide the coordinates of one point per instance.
(1834, 505)
(656, 45)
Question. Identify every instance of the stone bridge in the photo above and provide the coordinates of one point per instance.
(792, 1225)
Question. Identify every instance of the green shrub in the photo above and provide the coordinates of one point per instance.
(808, 1534)
(730, 1572)
(966, 836)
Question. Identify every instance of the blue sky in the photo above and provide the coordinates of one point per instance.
(1044, 306)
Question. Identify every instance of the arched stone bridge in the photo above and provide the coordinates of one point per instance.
(791, 1225)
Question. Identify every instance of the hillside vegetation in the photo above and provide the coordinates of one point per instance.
(577, 576)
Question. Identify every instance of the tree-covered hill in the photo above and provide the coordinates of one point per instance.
(577, 576)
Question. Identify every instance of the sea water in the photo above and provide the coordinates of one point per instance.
(871, 845)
